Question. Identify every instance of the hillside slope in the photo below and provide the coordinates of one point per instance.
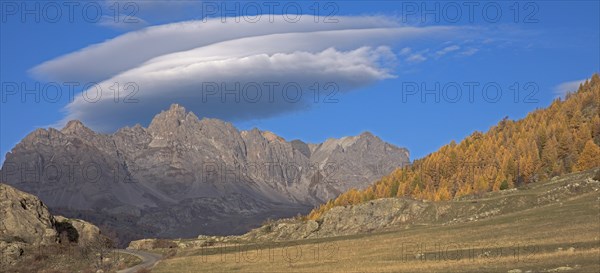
(560, 139)
(546, 226)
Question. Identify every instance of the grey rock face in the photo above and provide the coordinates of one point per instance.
(182, 176)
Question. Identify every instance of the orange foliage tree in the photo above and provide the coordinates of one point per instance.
(559, 139)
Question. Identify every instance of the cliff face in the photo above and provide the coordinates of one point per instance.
(183, 176)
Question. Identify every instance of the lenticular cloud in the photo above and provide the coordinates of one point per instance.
(231, 70)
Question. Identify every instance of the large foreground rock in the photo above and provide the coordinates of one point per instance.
(24, 218)
(26, 223)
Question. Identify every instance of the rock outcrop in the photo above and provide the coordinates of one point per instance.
(24, 218)
(26, 223)
(374, 215)
(87, 233)
(183, 176)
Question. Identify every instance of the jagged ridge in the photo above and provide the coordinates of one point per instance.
(182, 176)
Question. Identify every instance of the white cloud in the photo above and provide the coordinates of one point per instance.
(176, 63)
(469, 51)
(416, 58)
(132, 49)
(562, 89)
(191, 81)
(447, 50)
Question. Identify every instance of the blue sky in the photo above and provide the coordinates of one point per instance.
(382, 76)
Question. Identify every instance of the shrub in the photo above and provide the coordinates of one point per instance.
(597, 175)
(67, 231)
(267, 228)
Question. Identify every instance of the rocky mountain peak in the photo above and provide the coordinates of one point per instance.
(176, 108)
(366, 134)
(270, 136)
(174, 111)
(190, 116)
(172, 118)
(76, 127)
(361, 139)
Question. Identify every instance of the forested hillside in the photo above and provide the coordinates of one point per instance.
(563, 138)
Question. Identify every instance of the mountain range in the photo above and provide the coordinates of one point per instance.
(182, 176)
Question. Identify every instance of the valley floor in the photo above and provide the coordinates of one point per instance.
(561, 236)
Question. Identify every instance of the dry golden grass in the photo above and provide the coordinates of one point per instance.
(526, 240)
(66, 259)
